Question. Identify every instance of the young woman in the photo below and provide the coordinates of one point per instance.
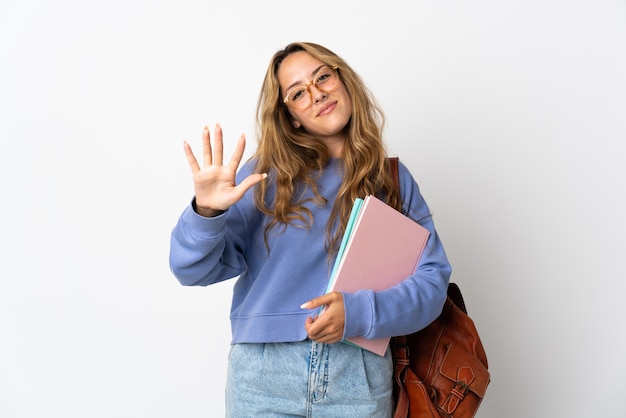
(276, 224)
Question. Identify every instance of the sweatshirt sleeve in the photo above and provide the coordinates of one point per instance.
(204, 250)
(200, 251)
(415, 302)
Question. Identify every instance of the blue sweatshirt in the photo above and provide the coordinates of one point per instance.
(271, 286)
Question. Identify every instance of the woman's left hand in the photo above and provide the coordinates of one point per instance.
(328, 326)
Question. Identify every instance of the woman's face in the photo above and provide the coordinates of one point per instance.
(329, 112)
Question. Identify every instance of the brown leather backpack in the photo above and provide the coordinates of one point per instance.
(441, 371)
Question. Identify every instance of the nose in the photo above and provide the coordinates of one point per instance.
(317, 94)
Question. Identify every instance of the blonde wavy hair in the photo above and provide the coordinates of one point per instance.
(291, 156)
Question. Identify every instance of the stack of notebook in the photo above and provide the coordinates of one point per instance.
(380, 248)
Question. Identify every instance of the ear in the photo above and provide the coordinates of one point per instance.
(296, 124)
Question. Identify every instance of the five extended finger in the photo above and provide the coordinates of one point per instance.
(240, 146)
(207, 153)
(250, 181)
(218, 146)
(193, 163)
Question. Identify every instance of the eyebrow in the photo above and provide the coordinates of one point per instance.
(299, 82)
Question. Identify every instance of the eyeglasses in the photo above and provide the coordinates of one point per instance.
(326, 80)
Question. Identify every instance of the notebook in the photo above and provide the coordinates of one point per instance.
(380, 248)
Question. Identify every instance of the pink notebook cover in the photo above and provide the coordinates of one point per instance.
(384, 249)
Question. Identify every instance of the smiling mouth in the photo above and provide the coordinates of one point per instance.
(327, 109)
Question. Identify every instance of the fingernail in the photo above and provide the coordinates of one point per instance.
(305, 305)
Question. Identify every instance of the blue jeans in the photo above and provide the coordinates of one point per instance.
(307, 379)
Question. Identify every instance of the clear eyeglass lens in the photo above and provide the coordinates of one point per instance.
(325, 80)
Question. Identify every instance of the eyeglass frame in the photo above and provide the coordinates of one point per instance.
(308, 85)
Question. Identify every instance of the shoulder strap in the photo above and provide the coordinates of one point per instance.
(393, 171)
(453, 289)
(454, 293)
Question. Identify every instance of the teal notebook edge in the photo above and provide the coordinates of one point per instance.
(354, 215)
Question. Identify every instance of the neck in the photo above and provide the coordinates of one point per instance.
(335, 147)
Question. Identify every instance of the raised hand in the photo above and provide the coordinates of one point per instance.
(214, 183)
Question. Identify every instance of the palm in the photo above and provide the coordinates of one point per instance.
(214, 182)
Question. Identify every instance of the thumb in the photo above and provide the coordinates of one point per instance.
(251, 180)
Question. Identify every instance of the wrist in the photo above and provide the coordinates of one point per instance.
(205, 211)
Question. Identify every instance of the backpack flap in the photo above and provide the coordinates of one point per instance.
(467, 377)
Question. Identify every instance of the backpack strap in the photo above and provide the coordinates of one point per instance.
(393, 171)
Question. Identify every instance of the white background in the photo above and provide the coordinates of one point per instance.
(511, 116)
